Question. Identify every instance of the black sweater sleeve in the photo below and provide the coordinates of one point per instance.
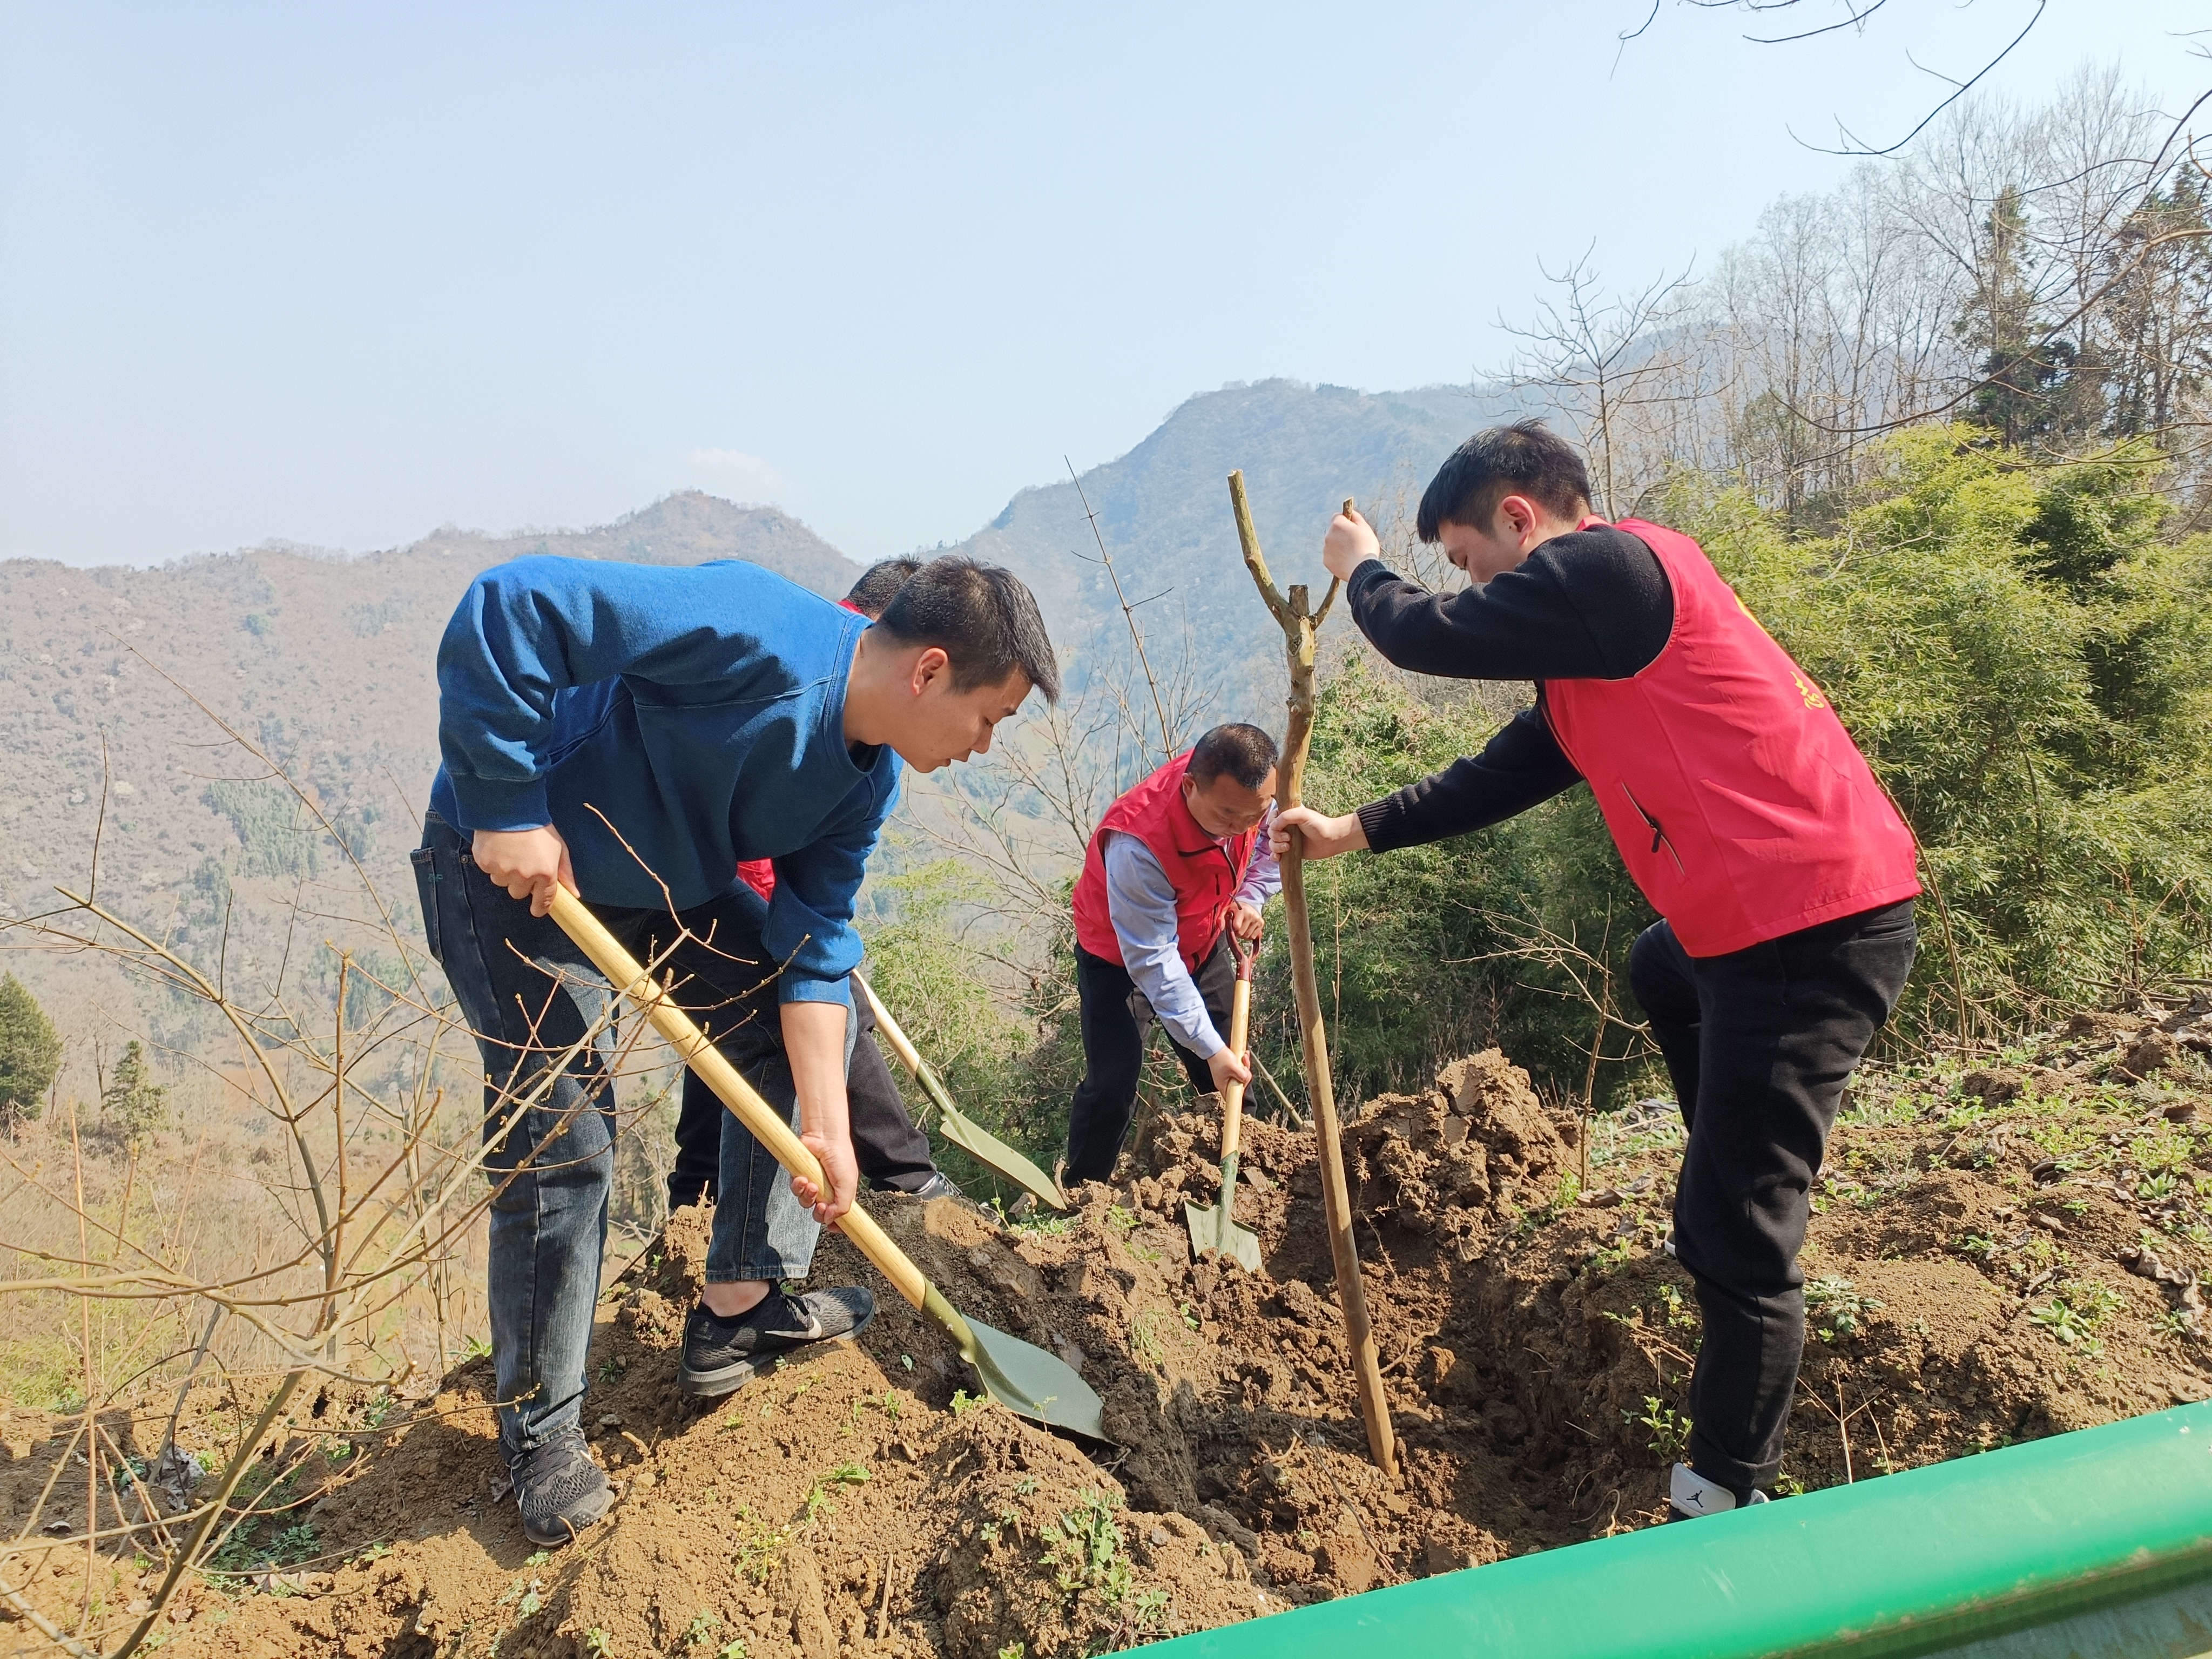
(1523, 764)
(1595, 605)
(1591, 605)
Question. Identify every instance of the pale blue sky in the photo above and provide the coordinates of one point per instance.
(339, 274)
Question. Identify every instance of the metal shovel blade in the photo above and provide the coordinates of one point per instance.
(1020, 1375)
(987, 1149)
(955, 1125)
(1212, 1230)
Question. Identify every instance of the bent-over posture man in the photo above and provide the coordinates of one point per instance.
(1176, 866)
(631, 733)
(1783, 875)
(891, 1152)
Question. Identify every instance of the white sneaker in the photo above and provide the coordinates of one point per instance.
(1689, 1495)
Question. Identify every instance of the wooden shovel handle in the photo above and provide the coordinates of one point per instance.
(1232, 1095)
(767, 1124)
(901, 1045)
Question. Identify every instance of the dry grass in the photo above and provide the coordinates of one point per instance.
(317, 1214)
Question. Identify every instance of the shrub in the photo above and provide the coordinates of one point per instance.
(30, 1054)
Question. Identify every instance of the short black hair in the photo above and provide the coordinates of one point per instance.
(1245, 752)
(1525, 458)
(982, 617)
(878, 582)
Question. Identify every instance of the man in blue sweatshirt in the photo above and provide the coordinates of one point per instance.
(632, 732)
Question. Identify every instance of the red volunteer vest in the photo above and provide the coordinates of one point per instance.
(1739, 804)
(1205, 873)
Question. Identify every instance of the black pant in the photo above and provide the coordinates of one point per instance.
(1116, 1019)
(1759, 1044)
(890, 1151)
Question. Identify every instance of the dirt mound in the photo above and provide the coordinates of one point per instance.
(1997, 1253)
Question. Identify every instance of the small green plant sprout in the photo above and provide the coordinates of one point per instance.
(1026, 1486)
(2174, 1322)
(734, 1649)
(1014, 1651)
(1148, 1608)
(1086, 1550)
(1670, 1429)
(1145, 1342)
(1680, 1316)
(1980, 1246)
(1787, 1485)
(700, 1628)
(759, 1547)
(1189, 1318)
(2075, 1313)
(1836, 1305)
(1121, 1216)
(906, 1362)
(963, 1403)
(595, 1640)
(2157, 1188)
(845, 1475)
(539, 1558)
(477, 1348)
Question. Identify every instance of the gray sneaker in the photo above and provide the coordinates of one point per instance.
(558, 1487)
(722, 1355)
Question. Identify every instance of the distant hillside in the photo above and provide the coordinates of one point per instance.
(326, 659)
(1164, 509)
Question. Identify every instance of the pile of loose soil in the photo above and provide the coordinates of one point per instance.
(1998, 1252)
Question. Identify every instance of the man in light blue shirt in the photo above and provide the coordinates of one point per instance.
(1176, 865)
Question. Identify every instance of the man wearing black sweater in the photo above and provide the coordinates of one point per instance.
(1783, 876)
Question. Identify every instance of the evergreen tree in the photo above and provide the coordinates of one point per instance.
(30, 1053)
(137, 1106)
(2035, 385)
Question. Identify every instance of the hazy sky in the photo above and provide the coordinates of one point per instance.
(338, 274)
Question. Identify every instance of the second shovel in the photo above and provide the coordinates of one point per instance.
(1216, 1229)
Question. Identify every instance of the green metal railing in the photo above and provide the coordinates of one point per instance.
(2079, 1546)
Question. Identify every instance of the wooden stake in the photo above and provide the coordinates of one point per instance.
(1299, 623)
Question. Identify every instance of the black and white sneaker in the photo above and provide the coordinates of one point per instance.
(558, 1487)
(940, 1185)
(722, 1355)
(1690, 1495)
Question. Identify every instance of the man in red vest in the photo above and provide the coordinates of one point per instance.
(1177, 864)
(1783, 876)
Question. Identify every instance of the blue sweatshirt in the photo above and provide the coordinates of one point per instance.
(702, 709)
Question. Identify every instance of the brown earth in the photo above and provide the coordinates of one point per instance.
(1999, 1252)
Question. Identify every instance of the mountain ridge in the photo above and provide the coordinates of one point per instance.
(326, 659)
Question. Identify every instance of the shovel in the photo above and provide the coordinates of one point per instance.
(1214, 1230)
(1022, 1377)
(955, 1125)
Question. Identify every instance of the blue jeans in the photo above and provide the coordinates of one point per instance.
(529, 996)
